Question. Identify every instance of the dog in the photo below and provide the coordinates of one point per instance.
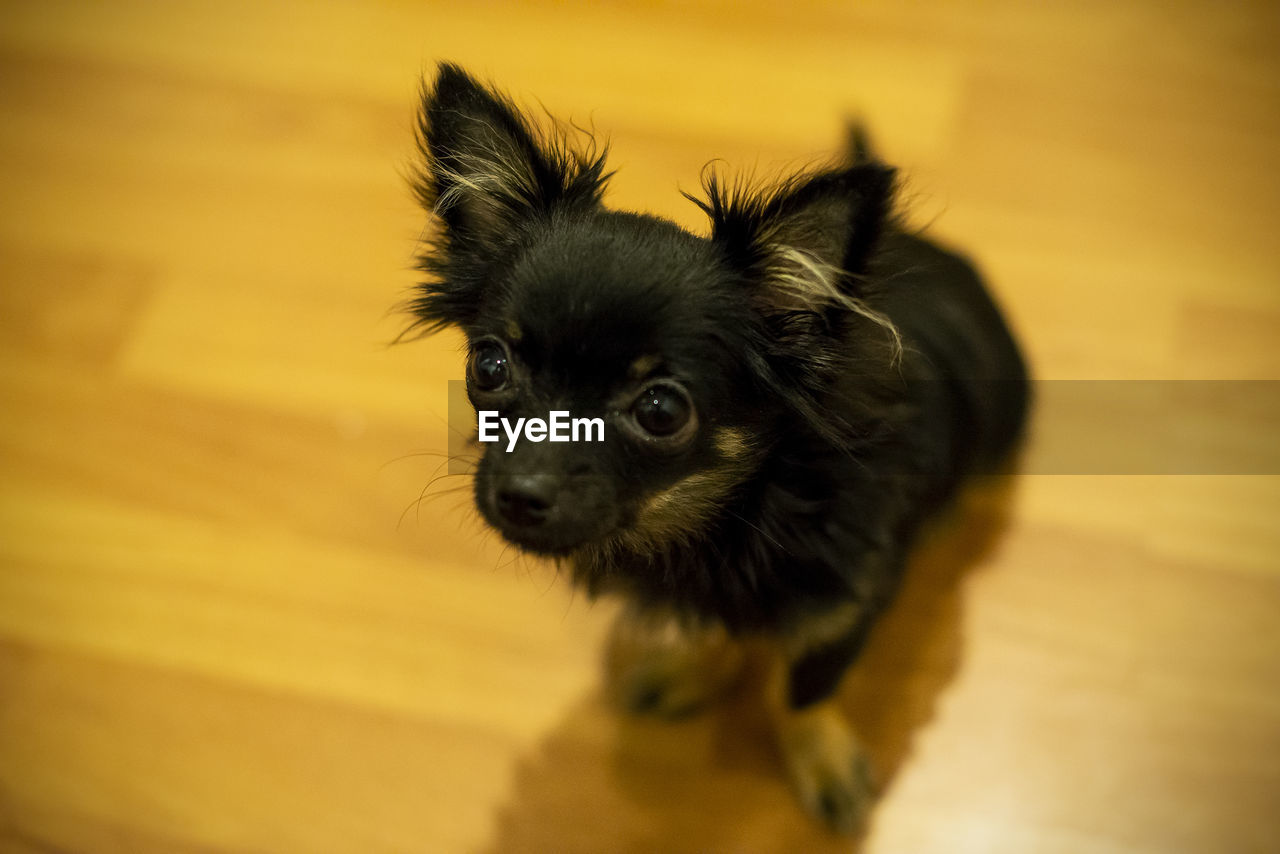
(783, 401)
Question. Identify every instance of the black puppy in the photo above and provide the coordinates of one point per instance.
(782, 403)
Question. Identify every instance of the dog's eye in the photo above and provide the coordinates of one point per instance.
(489, 366)
(663, 410)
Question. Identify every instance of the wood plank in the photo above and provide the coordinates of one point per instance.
(239, 613)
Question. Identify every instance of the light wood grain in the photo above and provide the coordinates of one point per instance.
(239, 613)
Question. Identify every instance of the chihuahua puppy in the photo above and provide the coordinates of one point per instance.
(784, 400)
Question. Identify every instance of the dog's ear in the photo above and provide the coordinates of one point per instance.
(834, 219)
(802, 249)
(805, 243)
(804, 246)
(486, 173)
(486, 169)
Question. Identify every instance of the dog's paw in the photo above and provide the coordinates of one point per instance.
(656, 666)
(840, 793)
(829, 770)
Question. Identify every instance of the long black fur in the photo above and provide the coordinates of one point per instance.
(867, 383)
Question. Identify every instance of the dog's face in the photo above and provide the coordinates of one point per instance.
(628, 320)
(693, 353)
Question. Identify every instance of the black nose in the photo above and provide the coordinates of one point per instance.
(526, 500)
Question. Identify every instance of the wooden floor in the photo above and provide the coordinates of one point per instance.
(239, 613)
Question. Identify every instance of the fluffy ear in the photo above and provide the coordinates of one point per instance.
(803, 244)
(485, 165)
(802, 248)
(486, 171)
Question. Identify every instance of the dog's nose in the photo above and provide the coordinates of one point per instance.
(526, 499)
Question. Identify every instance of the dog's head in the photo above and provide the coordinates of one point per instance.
(695, 353)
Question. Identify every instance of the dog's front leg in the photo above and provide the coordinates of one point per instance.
(827, 765)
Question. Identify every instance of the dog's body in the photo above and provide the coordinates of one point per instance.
(785, 401)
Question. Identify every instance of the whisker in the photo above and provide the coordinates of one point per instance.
(762, 532)
(416, 505)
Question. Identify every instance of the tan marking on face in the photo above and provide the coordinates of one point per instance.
(514, 332)
(641, 367)
(683, 507)
(681, 510)
(732, 443)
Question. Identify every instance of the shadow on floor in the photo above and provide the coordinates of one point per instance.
(602, 781)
